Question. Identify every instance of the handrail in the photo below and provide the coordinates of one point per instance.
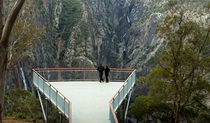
(81, 74)
(58, 93)
(112, 108)
(50, 85)
(128, 84)
(113, 112)
(115, 69)
(126, 81)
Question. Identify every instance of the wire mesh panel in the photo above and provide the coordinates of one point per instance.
(119, 76)
(70, 75)
(82, 75)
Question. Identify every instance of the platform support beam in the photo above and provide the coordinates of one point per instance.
(40, 100)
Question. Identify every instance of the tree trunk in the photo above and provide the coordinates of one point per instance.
(1, 16)
(4, 46)
(177, 112)
(10, 22)
(3, 64)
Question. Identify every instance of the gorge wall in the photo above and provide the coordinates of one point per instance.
(120, 33)
(84, 33)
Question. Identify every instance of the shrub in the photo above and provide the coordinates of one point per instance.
(21, 104)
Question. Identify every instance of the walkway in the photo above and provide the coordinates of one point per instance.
(77, 93)
(90, 100)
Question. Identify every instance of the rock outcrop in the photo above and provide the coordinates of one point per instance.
(120, 33)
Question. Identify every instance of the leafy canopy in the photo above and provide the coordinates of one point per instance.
(181, 78)
(20, 103)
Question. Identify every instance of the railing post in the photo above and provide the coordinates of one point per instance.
(64, 106)
(41, 104)
(46, 100)
(61, 117)
(84, 74)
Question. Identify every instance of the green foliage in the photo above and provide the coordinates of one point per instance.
(180, 74)
(75, 62)
(22, 104)
(54, 116)
(181, 78)
(145, 108)
(204, 118)
(207, 5)
(81, 38)
(70, 15)
(25, 33)
(171, 3)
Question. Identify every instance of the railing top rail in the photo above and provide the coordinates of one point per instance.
(110, 102)
(112, 111)
(37, 70)
(123, 84)
(52, 86)
(114, 69)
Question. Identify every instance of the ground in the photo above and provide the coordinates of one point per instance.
(12, 120)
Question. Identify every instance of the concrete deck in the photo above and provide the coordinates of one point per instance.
(90, 100)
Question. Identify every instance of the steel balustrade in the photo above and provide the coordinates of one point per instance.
(60, 101)
(120, 95)
(42, 77)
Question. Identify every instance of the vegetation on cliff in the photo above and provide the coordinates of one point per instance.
(22, 104)
(179, 84)
(121, 34)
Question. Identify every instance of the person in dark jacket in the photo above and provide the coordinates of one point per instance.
(107, 70)
(101, 70)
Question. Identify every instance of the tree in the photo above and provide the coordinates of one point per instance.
(21, 42)
(145, 109)
(5, 32)
(181, 78)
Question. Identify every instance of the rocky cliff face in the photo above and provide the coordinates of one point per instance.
(84, 33)
(120, 33)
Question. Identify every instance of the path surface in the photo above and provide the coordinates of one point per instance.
(90, 100)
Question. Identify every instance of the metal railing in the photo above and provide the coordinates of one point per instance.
(120, 95)
(81, 74)
(57, 98)
(42, 77)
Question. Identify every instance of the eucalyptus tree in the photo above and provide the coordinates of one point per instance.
(180, 81)
(24, 40)
(5, 31)
(21, 36)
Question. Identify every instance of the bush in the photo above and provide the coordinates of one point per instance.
(21, 104)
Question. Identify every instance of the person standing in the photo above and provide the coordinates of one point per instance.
(100, 70)
(107, 70)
